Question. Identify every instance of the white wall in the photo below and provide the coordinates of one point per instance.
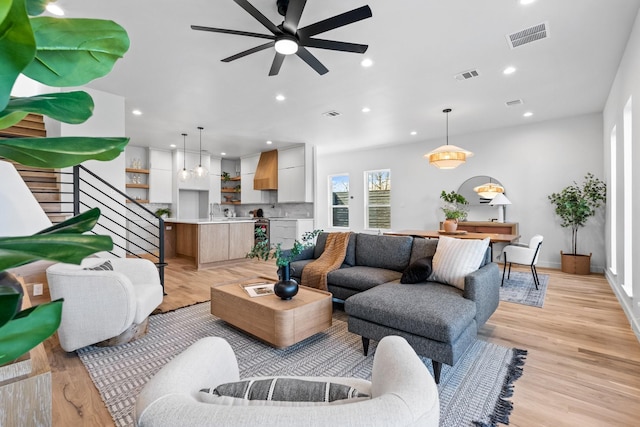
(531, 161)
(626, 85)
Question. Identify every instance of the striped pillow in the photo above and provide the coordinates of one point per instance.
(105, 266)
(456, 258)
(284, 390)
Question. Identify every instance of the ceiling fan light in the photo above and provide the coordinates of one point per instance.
(286, 45)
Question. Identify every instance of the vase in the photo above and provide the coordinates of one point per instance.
(286, 288)
(450, 225)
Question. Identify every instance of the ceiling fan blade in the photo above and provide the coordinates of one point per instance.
(235, 32)
(258, 16)
(249, 51)
(335, 45)
(294, 12)
(337, 21)
(313, 62)
(277, 63)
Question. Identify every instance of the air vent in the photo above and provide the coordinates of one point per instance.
(466, 75)
(528, 35)
(514, 102)
(332, 113)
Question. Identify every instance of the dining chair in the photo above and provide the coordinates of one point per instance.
(524, 255)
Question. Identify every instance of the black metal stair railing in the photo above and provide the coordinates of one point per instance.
(135, 230)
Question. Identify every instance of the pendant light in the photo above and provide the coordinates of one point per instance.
(200, 171)
(184, 174)
(489, 190)
(448, 156)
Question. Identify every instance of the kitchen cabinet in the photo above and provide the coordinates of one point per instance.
(215, 171)
(248, 165)
(286, 231)
(295, 175)
(160, 176)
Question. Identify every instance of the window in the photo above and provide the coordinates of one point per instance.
(378, 199)
(628, 199)
(613, 201)
(339, 193)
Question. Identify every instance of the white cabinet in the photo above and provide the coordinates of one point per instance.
(160, 176)
(286, 231)
(215, 172)
(248, 166)
(295, 175)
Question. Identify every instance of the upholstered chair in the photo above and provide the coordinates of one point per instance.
(101, 304)
(525, 255)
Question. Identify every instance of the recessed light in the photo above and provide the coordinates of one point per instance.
(366, 109)
(526, 2)
(172, 145)
(54, 9)
(414, 133)
(367, 62)
(136, 112)
(269, 142)
(509, 70)
(280, 98)
(223, 154)
(528, 114)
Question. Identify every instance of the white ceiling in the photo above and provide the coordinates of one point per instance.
(175, 77)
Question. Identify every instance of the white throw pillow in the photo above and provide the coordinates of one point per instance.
(456, 258)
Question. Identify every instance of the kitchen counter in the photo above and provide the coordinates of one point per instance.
(218, 220)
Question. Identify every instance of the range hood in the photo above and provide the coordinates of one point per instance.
(266, 177)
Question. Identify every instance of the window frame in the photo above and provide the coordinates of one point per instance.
(368, 205)
(332, 206)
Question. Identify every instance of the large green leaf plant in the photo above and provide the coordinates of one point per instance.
(58, 52)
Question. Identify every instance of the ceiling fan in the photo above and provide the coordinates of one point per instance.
(288, 39)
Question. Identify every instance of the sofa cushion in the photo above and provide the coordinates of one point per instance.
(105, 266)
(438, 312)
(361, 278)
(422, 248)
(280, 389)
(350, 257)
(390, 252)
(418, 271)
(456, 258)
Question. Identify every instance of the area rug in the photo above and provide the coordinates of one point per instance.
(519, 288)
(474, 392)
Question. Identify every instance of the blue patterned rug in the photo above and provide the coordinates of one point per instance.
(521, 289)
(473, 393)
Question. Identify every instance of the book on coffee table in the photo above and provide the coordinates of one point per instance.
(258, 289)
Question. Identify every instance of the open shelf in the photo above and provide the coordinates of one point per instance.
(137, 186)
(131, 170)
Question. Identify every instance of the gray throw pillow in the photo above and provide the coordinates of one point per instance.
(418, 271)
(286, 390)
(105, 266)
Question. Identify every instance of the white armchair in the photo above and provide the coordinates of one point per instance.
(100, 305)
(525, 255)
(403, 393)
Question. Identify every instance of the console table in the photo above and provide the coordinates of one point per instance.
(488, 227)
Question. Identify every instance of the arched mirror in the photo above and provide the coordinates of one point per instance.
(467, 189)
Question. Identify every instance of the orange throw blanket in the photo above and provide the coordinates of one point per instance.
(315, 273)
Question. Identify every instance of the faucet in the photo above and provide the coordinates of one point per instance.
(213, 208)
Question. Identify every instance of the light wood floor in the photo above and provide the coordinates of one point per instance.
(583, 366)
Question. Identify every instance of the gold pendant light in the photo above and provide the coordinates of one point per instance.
(489, 190)
(448, 156)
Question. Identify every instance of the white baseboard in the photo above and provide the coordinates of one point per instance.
(626, 302)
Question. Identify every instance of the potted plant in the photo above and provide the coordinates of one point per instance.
(226, 177)
(574, 205)
(286, 287)
(163, 213)
(45, 49)
(454, 208)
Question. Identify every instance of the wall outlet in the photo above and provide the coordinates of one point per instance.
(37, 289)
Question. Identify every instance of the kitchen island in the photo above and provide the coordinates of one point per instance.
(209, 242)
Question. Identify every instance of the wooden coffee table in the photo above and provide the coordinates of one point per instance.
(273, 320)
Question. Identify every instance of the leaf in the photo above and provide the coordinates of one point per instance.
(78, 224)
(17, 45)
(27, 331)
(8, 303)
(61, 152)
(61, 247)
(11, 119)
(72, 52)
(68, 107)
(36, 7)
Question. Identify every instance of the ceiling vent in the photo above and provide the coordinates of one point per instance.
(466, 75)
(331, 113)
(528, 35)
(514, 103)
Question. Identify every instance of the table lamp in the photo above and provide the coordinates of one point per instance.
(500, 200)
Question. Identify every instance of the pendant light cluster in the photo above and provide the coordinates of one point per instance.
(198, 172)
(448, 156)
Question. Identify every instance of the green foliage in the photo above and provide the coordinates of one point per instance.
(57, 52)
(455, 206)
(162, 211)
(575, 204)
(262, 250)
(226, 177)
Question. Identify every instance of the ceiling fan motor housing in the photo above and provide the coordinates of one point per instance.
(283, 5)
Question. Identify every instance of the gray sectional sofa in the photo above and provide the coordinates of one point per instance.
(438, 320)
